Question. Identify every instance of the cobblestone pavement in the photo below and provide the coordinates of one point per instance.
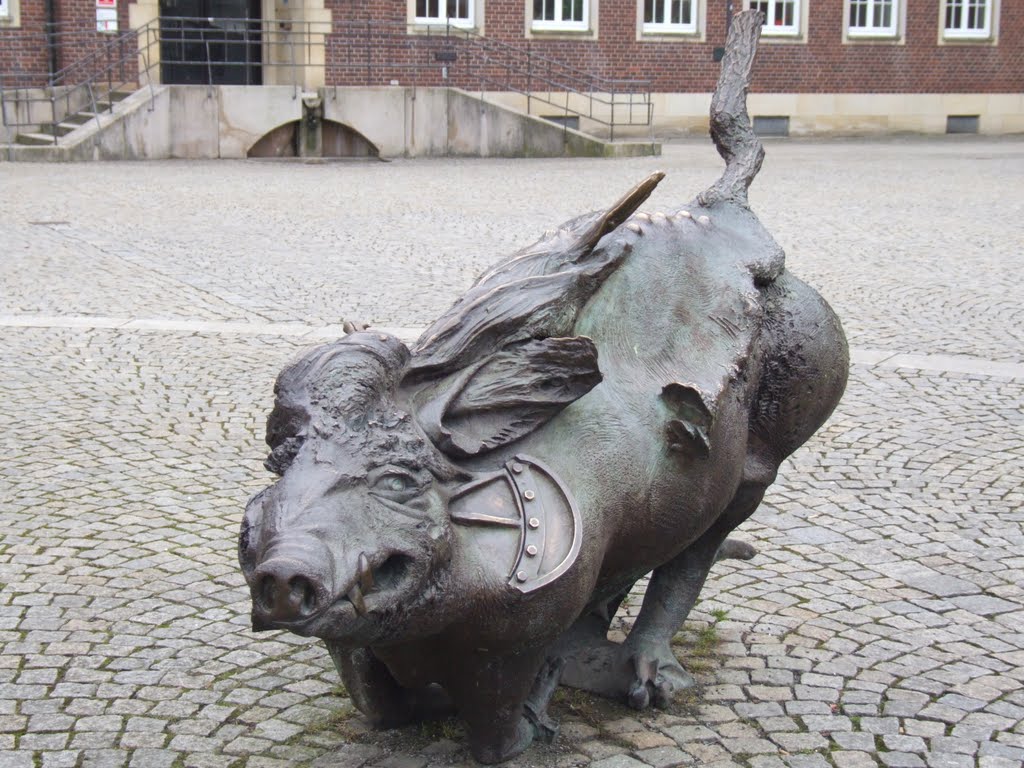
(145, 309)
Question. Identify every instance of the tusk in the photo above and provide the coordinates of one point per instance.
(365, 573)
(355, 596)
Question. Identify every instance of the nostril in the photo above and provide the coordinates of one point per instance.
(266, 595)
(303, 595)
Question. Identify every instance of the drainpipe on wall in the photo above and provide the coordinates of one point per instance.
(51, 37)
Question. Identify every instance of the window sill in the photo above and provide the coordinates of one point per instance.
(442, 24)
(438, 28)
(871, 34)
(773, 38)
(955, 37)
(559, 29)
(877, 38)
(672, 32)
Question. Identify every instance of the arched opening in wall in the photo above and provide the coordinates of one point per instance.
(341, 141)
(282, 141)
(337, 140)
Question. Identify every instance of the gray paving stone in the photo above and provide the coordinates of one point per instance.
(900, 759)
(997, 762)
(685, 734)
(348, 756)
(844, 759)
(858, 742)
(898, 743)
(879, 725)
(618, 761)
(948, 760)
(806, 761)
(152, 758)
(60, 759)
(664, 757)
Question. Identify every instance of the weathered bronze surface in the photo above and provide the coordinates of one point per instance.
(460, 521)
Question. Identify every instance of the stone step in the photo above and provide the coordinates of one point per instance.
(63, 129)
(79, 118)
(36, 139)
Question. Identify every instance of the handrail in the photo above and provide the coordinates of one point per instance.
(502, 66)
(112, 64)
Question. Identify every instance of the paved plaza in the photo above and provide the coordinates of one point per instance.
(145, 310)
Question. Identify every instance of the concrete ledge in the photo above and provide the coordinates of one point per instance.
(201, 122)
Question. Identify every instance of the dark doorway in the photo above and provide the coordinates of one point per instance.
(210, 42)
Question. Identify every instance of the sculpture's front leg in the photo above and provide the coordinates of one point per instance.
(380, 697)
(491, 693)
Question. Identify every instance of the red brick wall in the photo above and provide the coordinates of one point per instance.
(24, 51)
(821, 64)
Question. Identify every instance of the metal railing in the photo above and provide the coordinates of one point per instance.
(217, 51)
(43, 99)
(379, 52)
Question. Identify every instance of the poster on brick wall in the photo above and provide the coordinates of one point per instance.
(106, 15)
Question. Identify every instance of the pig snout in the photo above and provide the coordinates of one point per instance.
(293, 581)
(296, 583)
(284, 591)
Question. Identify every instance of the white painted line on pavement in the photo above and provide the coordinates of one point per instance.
(866, 357)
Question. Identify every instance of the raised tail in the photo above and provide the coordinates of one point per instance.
(730, 124)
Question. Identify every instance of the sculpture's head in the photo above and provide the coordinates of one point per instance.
(352, 539)
(354, 543)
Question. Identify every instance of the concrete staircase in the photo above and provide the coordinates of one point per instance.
(49, 135)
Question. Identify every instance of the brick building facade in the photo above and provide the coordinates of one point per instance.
(827, 65)
(818, 52)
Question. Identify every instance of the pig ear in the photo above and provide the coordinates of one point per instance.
(509, 394)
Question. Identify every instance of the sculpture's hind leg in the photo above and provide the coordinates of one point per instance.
(594, 663)
(671, 594)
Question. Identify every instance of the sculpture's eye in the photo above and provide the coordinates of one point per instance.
(396, 483)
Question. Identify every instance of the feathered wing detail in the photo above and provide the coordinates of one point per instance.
(536, 293)
(508, 395)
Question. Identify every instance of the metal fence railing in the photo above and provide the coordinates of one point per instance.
(377, 52)
(218, 51)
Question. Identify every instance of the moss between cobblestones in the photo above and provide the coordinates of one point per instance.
(332, 722)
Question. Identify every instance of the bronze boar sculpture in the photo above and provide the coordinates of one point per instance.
(460, 520)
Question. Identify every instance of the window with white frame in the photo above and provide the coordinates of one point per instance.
(781, 17)
(968, 18)
(873, 18)
(5, 9)
(670, 16)
(458, 12)
(561, 14)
